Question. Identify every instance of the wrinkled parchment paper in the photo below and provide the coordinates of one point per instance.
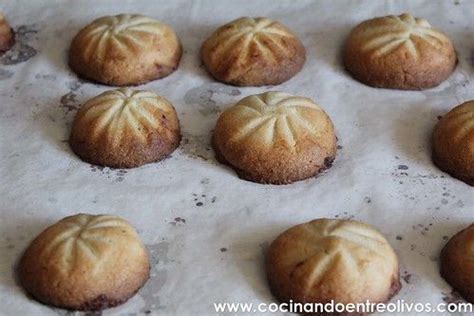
(205, 228)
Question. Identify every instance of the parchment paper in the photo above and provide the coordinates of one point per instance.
(205, 228)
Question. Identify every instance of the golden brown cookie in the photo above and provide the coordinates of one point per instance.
(7, 38)
(453, 143)
(125, 49)
(125, 128)
(328, 259)
(399, 52)
(253, 52)
(85, 262)
(275, 138)
(457, 263)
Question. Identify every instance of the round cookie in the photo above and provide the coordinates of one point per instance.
(457, 263)
(253, 52)
(85, 262)
(399, 52)
(453, 143)
(125, 128)
(275, 138)
(329, 259)
(7, 38)
(126, 49)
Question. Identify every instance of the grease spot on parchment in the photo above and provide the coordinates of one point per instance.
(452, 298)
(151, 291)
(344, 215)
(117, 174)
(203, 97)
(74, 85)
(178, 221)
(456, 85)
(5, 74)
(414, 178)
(120, 175)
(46, 77)
(423, 229)
(158, 276)
(407, 277)
(199, 200)
(69, 102)
(197, 147)
(159, 252)
(22, 49)
(410, 197)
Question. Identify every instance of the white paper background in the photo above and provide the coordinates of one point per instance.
(379, 130)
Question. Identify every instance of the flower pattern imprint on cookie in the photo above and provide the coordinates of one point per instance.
(82, 237)
(276, 115)
(401, 30)
(115, 111)
(125, 31)
(252, 31)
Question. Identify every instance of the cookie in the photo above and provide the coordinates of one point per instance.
(275, 138)
(7, 38)
(253, 52)
(85, 262)
(457, 266)
(125, 128)
(453, 143)
(328, 259)
(124, 50)
(399, 52)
